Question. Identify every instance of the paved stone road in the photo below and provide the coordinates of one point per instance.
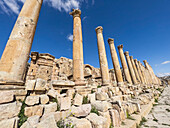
(159, 116)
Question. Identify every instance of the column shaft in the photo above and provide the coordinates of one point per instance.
(78, 63)
(131, 68)
(115, 61)
(139, 71)
(135, 69)
(102, 56)
(15, 56)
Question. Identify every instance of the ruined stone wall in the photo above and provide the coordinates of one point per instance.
(46, 67)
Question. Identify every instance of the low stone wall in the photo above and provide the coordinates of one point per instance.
(43, 106)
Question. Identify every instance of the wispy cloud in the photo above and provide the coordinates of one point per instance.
(14, 6)
(70, 37)
(165, 62)
(84, 18)
(163, 74)
(64, 5)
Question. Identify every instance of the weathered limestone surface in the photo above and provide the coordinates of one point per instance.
(6, 96)
(32, 100)
(102, 57)
(124, 64)
(15, 56)
(81, 111)
(9, 110)
(9, 123)
(115, 61)
(78, 72)
(160, 115)
(80, 123)
(35, 110)
(132, 73)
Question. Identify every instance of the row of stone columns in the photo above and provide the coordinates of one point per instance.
(133, 70)
(15, 56)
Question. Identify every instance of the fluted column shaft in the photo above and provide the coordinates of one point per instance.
(139, 71)
(115, 61)
(15, 56)
(143, 73)
(124, 64)
(131, 68)
(102, 56)
(78, 62)
(135, 69)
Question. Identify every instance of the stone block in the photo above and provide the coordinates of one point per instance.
(97, 121)
(6, 96)
(44, 99)
(115, 118)
(78, 100)
(92, 97)
(49, 122)
(33, 120)
(65, 103)
(41, 85)
(34, 110)
(8, 123)
(81, 111)
(80, 123)
(53, 93)
(50, 108)
(101, 96)
(70, 93)
(32, 100)
(30, 85)
(100, 105)
(107, 116)
(9, 110)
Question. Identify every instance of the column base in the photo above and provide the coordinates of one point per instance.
(80, 83)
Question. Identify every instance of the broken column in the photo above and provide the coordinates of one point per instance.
(143, 73)
(130, 68)
(15, 56)
(139, 71)
(124, 64)
(78, 64)
(102, 57)
(115, 61)
(135, 69)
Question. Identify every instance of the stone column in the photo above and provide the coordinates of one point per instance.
(102, 57)
(124, 64)
(143, 73)
(115, 61)
(15, 56)
(78, 64)
(135, 69)
(139, 71)
(153, 77)
(131, 68)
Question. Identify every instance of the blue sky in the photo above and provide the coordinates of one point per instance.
(142, 26)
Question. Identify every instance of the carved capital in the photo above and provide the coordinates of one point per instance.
(145, 61)
(120, 46)
(131, 57)
(99, 29)
(110, 41)
(75, 13)
(126, 53)
(135, 60)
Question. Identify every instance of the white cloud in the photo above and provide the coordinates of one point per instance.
(13, 6)
(163, 74)
(70, 37)
(165, 62)
(84, 18)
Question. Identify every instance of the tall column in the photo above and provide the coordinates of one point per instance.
(131, 68)
(102, 56)
(139, 71)
(124, 64)
(153, 77)
(135, 69)
(78, 64)
(143, 73)
(115, 61)
(15, 56)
